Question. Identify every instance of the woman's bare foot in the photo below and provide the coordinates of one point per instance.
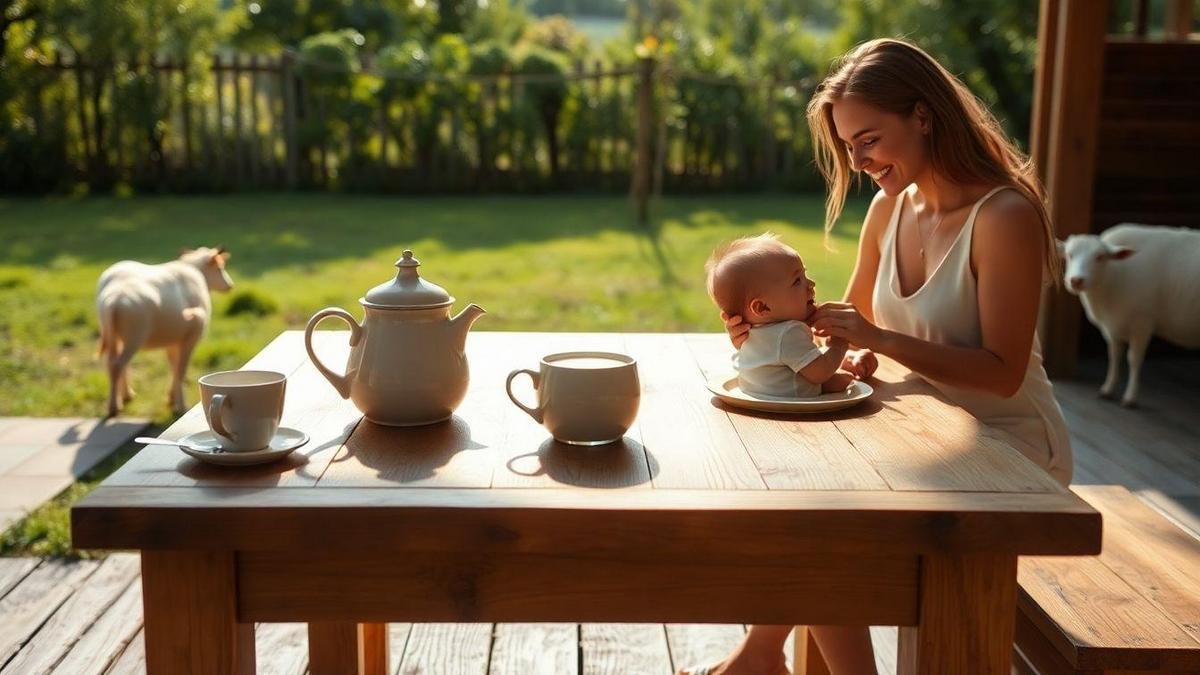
(759, 653)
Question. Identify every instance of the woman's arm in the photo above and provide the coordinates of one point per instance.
(1007, 257)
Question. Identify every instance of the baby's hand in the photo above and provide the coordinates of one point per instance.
(739, 330)
(861, 363)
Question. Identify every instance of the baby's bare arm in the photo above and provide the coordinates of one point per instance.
(826, 365)
(837, 383)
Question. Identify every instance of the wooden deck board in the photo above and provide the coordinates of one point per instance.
(1156, 445)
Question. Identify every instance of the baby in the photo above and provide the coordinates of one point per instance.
(763, 280)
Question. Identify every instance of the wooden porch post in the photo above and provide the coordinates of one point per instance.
(1043, 89)
(1070, 164)
(1179, 19)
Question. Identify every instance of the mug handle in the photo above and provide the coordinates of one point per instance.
(215, 405)
(535, 413)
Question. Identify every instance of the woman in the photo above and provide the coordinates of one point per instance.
(951, 262)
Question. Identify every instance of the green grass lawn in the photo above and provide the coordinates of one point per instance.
(560, 263)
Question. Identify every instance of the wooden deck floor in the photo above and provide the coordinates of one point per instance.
(85, 617)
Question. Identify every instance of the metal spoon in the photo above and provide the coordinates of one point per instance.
(149, 440)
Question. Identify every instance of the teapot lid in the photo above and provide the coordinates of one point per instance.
(408, 290)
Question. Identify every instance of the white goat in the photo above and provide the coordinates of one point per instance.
(165, 305)
(1136, 281)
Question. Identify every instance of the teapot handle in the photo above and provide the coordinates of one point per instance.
(535, 413)
(340, 382)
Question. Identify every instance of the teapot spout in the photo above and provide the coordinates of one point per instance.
(460, 324)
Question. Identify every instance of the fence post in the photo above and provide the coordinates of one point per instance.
(186, 103)
(239, 145)
(219, 144)
(255, 140)
(640, 189)
(289, 119)
(770, 154)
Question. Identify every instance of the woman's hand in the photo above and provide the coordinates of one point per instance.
(861, 363)
(841, 319)
(739, 330)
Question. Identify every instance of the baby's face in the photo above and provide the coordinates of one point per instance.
(788, 294)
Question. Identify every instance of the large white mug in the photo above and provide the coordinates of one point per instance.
(584, 398)
(243, 407)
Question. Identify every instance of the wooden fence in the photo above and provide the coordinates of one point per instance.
(241, 122)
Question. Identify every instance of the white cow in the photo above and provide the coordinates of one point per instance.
(166, 306)
(1136, 281)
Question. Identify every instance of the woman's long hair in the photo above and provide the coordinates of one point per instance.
(966, 144)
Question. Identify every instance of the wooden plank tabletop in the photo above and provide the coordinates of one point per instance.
(905, 471)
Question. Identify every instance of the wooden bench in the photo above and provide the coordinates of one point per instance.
(1135, 608)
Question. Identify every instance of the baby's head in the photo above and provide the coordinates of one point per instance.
(761, 279)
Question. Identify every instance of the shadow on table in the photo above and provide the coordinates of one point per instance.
(409, 454)
(623, 463)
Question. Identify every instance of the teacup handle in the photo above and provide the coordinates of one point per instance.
(215, 405)
(535, 413)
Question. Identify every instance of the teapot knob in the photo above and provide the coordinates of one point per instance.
(407, 260)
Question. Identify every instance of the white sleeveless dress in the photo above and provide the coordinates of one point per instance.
(946, 310)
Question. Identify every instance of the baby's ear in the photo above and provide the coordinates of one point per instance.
(758, 308)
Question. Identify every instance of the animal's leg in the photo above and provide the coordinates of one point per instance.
(1138, 341)
(114, 384)
(118, 371)
(126, 388)
(1115, 347)
(175, 391)
(180, 354)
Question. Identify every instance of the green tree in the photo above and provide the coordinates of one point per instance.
(546, 91)
(267, 25)
(990, 44)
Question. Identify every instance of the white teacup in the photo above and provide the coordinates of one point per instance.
(243, 407)
(584, 398)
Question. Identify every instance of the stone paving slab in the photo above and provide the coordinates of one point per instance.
(13, 455)
(42, 456)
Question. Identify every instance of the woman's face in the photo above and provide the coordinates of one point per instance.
(888, 147)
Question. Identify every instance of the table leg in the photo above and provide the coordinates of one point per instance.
(967, 615)
(806, 655)
(189, 600)
(346, 648)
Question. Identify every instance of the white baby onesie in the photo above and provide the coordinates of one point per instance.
(769, 361)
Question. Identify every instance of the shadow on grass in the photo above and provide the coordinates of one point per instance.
(266, 231)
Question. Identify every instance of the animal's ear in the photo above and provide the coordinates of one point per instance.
(183, 250)
(219, 256)
(1120, 253)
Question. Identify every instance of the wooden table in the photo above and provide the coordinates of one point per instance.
(902, 511)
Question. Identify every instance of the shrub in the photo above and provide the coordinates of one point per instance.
(251, 301)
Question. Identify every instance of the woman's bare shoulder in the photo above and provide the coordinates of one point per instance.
(878, 215)
(1008, 224)
(1008, 214)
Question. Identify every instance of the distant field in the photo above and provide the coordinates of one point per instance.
(599, 28)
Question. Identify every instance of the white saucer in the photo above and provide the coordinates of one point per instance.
(282, 444)
(725, 387)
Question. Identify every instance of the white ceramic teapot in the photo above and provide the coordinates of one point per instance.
(407, 362)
